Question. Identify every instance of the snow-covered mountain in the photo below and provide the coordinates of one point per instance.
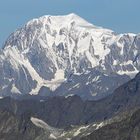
(66, 55)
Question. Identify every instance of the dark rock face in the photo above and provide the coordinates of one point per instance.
(17, 128)
(127, 129)
(56, 111)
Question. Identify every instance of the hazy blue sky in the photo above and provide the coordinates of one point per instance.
(118, 15)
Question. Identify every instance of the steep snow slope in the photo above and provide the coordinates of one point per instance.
(52, 51)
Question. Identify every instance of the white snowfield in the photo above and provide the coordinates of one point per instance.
(54, 133)
(47, 50)
(76, 131)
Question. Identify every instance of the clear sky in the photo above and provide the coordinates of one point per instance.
(118, 15)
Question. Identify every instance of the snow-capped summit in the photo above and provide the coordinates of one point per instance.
(67, 55)
(62, 21)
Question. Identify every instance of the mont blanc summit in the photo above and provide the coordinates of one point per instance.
(66, 55)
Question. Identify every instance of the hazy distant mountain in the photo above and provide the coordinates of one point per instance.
(66, 55)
